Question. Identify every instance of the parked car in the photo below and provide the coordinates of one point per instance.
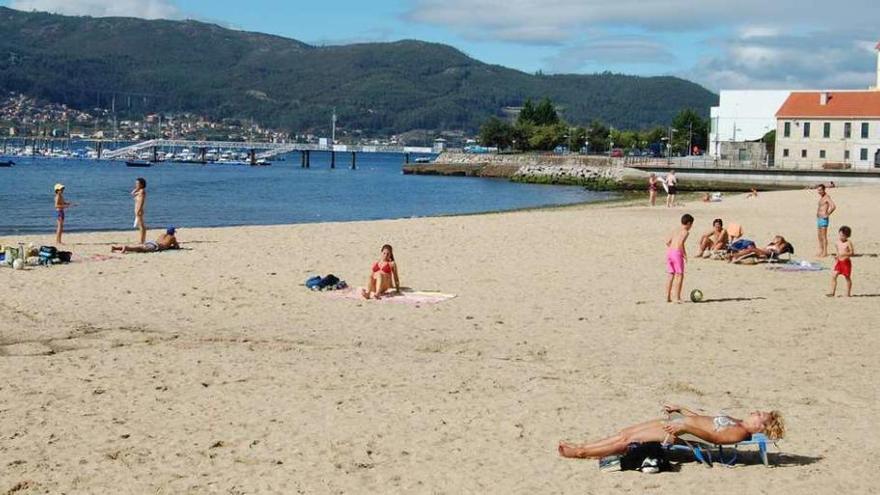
(617, 153)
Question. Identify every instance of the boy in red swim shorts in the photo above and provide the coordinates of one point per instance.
(844, 261)
(675, 256)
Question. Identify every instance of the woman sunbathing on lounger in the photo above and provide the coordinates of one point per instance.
(721, 430)
(383, 275)
(775, 248)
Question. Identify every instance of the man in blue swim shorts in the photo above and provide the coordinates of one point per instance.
(823, 214)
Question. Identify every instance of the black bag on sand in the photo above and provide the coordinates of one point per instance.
(64, 256)
(328, 281)
(648, 457)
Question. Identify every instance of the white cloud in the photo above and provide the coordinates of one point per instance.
(147, 9)
(810, 46)
(841, 59)
(486, 18)
(610, 49)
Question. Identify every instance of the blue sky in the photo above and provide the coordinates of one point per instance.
(757, 44)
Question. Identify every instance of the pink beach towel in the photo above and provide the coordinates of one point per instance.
(413, 298)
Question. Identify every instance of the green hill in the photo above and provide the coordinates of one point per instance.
(160, 65)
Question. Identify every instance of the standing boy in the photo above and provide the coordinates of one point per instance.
(823, 213)
(60, 206)
(675, 257)
(844, 261)
(140, 200)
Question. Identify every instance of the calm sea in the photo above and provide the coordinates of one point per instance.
(224, 195)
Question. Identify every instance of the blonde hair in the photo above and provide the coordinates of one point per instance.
(774, 428)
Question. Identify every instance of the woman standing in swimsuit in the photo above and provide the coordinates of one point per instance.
(652, 189)
(722, 430)
(383, 275)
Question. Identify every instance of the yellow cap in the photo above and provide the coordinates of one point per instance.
(59, 187)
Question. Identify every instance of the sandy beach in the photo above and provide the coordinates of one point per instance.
(212, 370)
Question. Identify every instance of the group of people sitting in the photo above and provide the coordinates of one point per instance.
(729, 243)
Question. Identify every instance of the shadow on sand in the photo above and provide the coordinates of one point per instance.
(732, 299)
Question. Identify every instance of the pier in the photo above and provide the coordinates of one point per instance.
(257, 151)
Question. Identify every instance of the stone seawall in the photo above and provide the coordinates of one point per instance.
(591, 171)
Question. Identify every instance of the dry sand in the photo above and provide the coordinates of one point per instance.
(212, 370)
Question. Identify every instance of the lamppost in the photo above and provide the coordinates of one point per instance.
(587, 145)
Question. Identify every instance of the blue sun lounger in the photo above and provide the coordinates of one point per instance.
(726, 454)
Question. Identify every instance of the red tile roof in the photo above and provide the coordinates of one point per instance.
(841, 104)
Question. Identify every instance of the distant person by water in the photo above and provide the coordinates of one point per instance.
(652, 189)
(671, 188)
(60, 206)
(383, 275)
(139, 193)
(823, 219)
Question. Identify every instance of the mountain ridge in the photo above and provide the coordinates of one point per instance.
(380, 88)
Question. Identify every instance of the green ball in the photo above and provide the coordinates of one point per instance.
(696, 295)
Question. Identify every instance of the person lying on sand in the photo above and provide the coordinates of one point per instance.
(165, 242)
(383, 275)
(721, 430)
(715, 239)
(776, 247)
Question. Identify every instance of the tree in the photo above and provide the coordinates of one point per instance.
(598, 136)
(577, 138)
(497, 133)
(527, 114)
(689, 128)
(522, 135)
(545, 113)
(548, 137)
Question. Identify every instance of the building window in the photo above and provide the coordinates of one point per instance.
(786, 132)
(863, 154)
(785, 153)
(803, 153)
(847, 130)
(864, 130)
(826, 130)
(806, 129)
(821, 153)
(846, 155)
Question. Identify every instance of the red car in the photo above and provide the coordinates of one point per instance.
(617, 153)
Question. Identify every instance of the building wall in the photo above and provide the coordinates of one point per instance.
(743, 115)
(834, 146)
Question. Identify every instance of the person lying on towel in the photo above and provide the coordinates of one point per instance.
(721, 430)
(165, 242)
(777, 246)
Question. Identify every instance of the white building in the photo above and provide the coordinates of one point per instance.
(743, 115)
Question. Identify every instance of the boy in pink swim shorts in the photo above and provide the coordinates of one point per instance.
(675, 256)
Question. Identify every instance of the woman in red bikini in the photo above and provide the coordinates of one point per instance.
(383, 275)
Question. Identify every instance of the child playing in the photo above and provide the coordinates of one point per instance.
(60, 206)
(675, 256)
(844, 261)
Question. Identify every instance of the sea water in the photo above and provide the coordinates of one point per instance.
(188, 195)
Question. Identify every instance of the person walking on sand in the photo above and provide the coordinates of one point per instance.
(60, 206)
(823, 215)
(675, 257)
(139, 193)
(671, 188)
(845, 251)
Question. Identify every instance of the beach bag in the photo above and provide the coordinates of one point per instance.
(648, 457)
(64, 256)
(48, 252)
(312, 283)
(328, 282)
